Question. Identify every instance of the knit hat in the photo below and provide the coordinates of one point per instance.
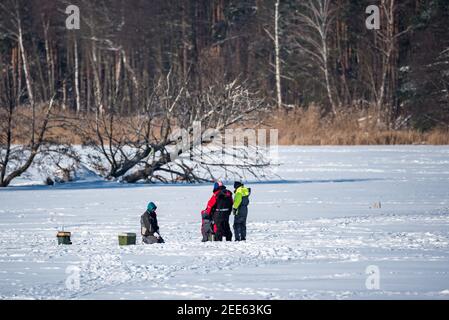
(237, 184)
(218, 185)
(151, 207)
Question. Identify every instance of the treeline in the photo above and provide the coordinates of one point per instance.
(327, 55)
(136, 69)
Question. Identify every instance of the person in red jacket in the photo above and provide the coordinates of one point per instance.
(218, 210)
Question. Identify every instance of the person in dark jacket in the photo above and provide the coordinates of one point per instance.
(219, 208)
(240, 210)
(149, 225)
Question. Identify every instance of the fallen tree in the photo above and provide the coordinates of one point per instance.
(164, 142)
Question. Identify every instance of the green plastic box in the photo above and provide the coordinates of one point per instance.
(126, 239)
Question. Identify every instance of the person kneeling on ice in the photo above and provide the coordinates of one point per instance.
(219, 208)
(207, 227)
(149, 226)
(240, 210)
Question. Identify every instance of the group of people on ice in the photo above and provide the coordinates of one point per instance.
(215, 218)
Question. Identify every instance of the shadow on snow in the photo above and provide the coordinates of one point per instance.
(86, 185)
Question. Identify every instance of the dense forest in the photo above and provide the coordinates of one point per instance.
(402, 68)
(215, 60)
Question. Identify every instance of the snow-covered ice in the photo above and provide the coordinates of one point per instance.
(312, 233)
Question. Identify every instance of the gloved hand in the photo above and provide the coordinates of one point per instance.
(234, 211)
(204, 215)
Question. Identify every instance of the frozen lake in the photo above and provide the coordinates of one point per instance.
(312, 234)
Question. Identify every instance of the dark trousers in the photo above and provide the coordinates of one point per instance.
(227, 228)
(222, 227)
(240, 224)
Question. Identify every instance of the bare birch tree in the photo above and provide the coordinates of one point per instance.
(277, 55)
(312, 24)
(384, 65)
